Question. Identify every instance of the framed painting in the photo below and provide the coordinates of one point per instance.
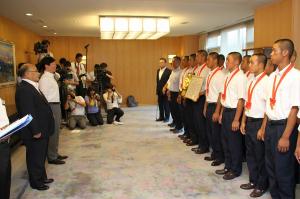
(7, 63)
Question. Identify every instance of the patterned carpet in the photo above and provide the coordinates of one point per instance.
(139, 160)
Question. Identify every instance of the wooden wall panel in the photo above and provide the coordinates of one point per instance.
(24, 41)
(133, 63)
(272, 22)
(296, 29)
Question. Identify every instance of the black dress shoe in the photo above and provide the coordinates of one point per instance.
(191, 143)
(257, 193)
(173, 129)
(201, 151)
(159, 120)
(187, 140)
(62, 157)
(247, 186)
(195, 148)
(229, 176)
(57, 161)
(217, 163)
(222, 171)
(172, 125)
(177, 131)
(41, 187)
(209, 158)
(48, 181)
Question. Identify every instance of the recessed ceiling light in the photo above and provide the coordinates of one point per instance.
(55, 33)
(45, 26)
(28, 14)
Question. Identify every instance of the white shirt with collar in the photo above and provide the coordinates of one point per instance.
(202, 73)
(34, 84)
(258, 100)
(112, 103)
(49, 87)
(3, 115)
(216, 85)
(235, 90)
(161, 71)
(173, 82)
(81, 71)
(288, 94)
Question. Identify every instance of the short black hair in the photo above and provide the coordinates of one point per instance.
(203, 53)
(221, 57)
(78, 55)
(163, 59)
(193, 56)
(62, 61)
(186, 57)
(45, 61)
(286, 44)
(68, 64)
(236, 55)
(177, 58)
(247, 56)
(214, 55)
(262, 58)
(103, 65)
(46, 42)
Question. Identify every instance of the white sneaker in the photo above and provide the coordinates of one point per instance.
(118, 123)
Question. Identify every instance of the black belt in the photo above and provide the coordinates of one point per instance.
(277, 122)
(212, 104)
(229, 109)
(54, 102)
(252, 119)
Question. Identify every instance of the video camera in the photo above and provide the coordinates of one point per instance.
(41, 47)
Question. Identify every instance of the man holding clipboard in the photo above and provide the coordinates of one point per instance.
(5, 168)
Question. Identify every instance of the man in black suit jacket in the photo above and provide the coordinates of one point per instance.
(162, 77)
(29, 100)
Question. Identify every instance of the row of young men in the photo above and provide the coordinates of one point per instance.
(234, 103)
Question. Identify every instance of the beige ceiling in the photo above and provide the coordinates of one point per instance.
(80, 17)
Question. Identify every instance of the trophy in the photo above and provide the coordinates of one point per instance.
(186, 83)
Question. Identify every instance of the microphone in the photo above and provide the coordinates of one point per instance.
(86, 46)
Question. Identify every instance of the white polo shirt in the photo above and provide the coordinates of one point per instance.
(288, 94)
(259, 98)
(202, 71)
(235, 90)
(49, 87)
(216, 85)
(173, 82)
(3, 115)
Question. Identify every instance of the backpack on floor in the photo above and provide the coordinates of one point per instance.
(131, 102)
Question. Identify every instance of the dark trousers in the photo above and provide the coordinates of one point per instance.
(213, 130)
(175, 110)
(112, 113)
(5, 170)
(185, 117)
(232, 143)
(199, 123)
(164, 110)
(36, 151)
(280, 166)
(190, 120)
(255, 155)
(95, 119)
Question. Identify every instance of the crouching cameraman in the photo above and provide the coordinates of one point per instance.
(92, 100)
(113, 100)
(76, 106)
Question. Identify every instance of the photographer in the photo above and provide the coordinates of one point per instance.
(79, 69)
(42, 50)
(92, 101)
(101, 76)
(76, 105)
(71, 79)
(113, 98)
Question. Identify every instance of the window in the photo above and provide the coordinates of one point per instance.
(234, 38)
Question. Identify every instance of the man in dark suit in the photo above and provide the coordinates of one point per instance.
(29, 100)
(162, 77)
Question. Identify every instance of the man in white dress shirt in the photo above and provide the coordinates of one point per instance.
(232, 100)
(49, 87)
(79, 69)
(253, 126)
(5, 168)
(283, 100)
(173, 90)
